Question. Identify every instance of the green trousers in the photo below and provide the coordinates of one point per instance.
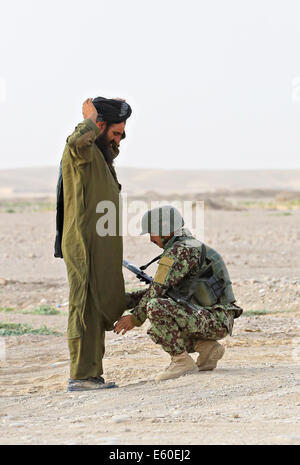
(86, 340)
(176, 328)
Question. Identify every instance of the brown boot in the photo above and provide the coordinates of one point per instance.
(209, 354)
(179, 365)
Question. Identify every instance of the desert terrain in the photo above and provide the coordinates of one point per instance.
(253, 397)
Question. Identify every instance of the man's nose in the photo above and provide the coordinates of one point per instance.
(117, 139)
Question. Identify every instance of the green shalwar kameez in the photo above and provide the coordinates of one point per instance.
(94, 262)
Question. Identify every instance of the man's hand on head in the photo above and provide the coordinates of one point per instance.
(89, 110)
(125, 323)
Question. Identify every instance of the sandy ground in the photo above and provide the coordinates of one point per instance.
(251, 398)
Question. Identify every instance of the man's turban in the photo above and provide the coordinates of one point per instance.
(111, 110)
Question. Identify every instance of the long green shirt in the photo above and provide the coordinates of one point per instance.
(94, 262)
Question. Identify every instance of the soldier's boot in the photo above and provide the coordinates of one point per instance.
(180, 365)
(88, 384)
(210, 352)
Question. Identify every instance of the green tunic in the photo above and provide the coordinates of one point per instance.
(94, 262)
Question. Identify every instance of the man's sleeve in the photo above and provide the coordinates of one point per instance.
(81, 141)
(172, 268)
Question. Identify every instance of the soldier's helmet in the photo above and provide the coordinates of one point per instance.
(162, 221)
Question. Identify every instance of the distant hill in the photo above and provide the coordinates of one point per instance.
(42, 181)
(188, 181)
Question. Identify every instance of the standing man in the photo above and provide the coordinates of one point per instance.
(94, 262)
(191, 270)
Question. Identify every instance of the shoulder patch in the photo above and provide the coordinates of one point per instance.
(163, 269)
(166, 261)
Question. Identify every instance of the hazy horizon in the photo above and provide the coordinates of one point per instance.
(43, 180)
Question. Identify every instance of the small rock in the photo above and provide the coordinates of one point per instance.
(120, 419)
(236, 415)
(3, 281)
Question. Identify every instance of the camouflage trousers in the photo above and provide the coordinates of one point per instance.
(176, 328)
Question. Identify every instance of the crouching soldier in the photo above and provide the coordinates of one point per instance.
(193, 271)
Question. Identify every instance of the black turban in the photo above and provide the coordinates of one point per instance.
(111, 110)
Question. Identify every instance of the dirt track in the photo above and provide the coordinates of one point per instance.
(252, 398)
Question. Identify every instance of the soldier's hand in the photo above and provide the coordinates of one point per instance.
(89, 110)
(125, 323)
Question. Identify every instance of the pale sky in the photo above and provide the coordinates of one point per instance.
(213, 84)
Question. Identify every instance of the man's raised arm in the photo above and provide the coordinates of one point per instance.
(85, 134)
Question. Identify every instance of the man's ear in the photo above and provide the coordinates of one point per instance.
(101, 125)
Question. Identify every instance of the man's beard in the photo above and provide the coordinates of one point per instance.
(106, 148)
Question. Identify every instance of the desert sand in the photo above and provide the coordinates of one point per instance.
(251, 398)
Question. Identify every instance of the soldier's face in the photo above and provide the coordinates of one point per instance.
(156, 240)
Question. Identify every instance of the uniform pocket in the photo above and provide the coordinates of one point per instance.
(74, 324)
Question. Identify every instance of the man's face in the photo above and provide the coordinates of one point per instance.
(113, 133)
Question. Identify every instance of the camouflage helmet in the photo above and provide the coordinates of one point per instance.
(162, 221)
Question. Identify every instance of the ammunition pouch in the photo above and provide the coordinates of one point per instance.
(208, 291)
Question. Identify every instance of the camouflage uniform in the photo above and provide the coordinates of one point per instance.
(174, 326)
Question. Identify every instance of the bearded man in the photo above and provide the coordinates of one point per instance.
(93, 261)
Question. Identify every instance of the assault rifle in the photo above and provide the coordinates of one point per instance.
(144, 277)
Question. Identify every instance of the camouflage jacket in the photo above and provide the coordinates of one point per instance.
(177, 263)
